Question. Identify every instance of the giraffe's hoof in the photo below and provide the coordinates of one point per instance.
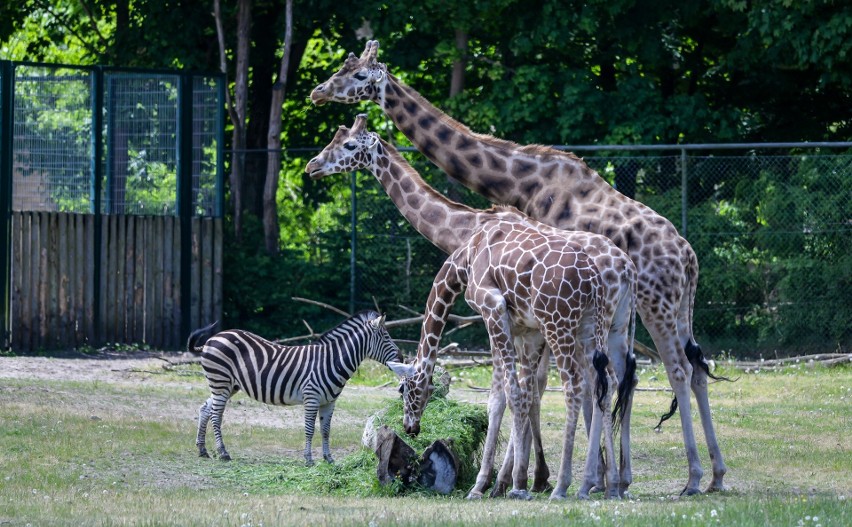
(558, 496)
(542, 486)
(520, 495)
(716, 487)
(498, 491)
(690, 491)
(474, 495)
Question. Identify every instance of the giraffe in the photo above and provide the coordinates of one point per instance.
(559, 189)
(521, 280)
(449, 225)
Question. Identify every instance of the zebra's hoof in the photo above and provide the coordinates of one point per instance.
(309, 463)
(224, 457)
(329, 460)
(203, 453)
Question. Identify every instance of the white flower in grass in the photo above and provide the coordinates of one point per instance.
(713, 513)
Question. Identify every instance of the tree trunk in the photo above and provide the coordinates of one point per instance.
(271, 232)
(237, 107)
(456, 87)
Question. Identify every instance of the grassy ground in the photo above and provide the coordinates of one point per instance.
(121, 452)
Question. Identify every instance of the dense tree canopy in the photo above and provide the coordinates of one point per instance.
(533, 71)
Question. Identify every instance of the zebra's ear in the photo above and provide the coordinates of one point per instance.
(401, 369)
(377, 323)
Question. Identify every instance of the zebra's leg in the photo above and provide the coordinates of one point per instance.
(311, 409)
(325, 413)
(203, 419)
(216, 406)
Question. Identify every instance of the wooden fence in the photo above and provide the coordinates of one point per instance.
(58, 301)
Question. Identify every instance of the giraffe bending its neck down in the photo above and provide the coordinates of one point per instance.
(559, 189)
(450, 225)
(521, 280)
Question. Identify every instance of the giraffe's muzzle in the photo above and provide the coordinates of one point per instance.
(319, 95)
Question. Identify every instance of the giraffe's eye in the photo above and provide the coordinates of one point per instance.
(350, 145)
(360, 76)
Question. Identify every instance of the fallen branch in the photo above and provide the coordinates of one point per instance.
(321, 304)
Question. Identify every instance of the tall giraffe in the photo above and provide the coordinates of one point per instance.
(450, 225)
(559, 189)
(522, 280)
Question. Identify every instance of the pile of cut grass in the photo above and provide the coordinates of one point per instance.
(464, 425)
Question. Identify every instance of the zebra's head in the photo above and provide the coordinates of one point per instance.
(380, 345)
(416, 388)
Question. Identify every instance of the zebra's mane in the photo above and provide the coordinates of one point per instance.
(367, 314)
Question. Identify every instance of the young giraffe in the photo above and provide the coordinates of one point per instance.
(559, 189)
(449, 225)
(521, 280)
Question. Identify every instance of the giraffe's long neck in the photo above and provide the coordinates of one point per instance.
(502, 171)
(445, 223)
(448, 284)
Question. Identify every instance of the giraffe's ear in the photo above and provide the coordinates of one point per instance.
(402, 370)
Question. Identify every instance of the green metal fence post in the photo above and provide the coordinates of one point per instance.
(184, 201)
(97, 191)
(7, 86)
(684, 204)
(353, 179)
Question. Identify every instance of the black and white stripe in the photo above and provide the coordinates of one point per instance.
(312, 375)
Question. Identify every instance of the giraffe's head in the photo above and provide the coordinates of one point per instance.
(351, 149)
(360, 79)
(416, 388)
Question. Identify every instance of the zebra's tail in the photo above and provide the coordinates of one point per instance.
(196, 340)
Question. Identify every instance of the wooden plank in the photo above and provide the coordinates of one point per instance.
(29, 267)
(126, 307)
(108, 270)
(89, 286)
(167, 283)
(79, 277)
(206, 271)
(16, 279)
(153, 287)
(43, 279)
(176, 278)
(139, 280)
(217, 268)
(195, 273)
(150, 263)
(116, 263)
(62, 334)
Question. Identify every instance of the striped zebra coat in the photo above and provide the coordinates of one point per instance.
(312, 375)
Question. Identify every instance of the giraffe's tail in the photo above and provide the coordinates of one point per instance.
(628, 381)
(195, 341)
(691, 348)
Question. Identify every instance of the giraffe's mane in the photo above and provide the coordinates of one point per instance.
(496, 142)
(398, 158)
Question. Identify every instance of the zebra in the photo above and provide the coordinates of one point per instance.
(312, 375)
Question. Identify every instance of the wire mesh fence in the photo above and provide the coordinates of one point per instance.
(773, 234)
(55, 139)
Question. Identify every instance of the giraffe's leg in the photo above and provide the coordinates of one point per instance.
(203, 419)
(311, 409)
(679, 372)
(496, 408)
(572, 387)
(619, 354)
(534, 346)
(325, 413)
(542, 473)
(699, 388)
(216, 406)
